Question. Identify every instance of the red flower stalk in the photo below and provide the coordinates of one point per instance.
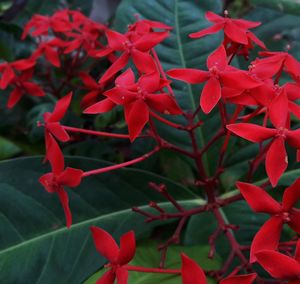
(60, 177)
(138, 99)
(236, 31)
(117, 256)
(281, 266)
(261, 202)
(276, 157)
(219, 74)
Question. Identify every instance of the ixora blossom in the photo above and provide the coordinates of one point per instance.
(60, 177)
(281, 266)
(219, 74)
(281, 213)
(236, 32)
(138, 99)
(276, 157)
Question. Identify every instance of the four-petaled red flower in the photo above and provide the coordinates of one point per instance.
(138, 99)
(276, 157)
(235, 31)
(219, 74)
(117, 256)
(281, 213)
(55, 181)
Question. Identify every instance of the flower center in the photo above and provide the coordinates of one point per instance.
(282, 131)
(141, 93)
(286, 217)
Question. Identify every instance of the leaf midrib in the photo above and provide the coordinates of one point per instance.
(91, 221)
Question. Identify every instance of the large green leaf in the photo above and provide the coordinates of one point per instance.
(36, 247)
(8, 149)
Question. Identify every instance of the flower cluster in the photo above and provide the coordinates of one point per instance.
(136, 83)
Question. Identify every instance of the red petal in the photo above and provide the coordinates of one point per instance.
(7, 76)
(292, 66)
(291, 195)
(239, 80)
(251, 132)
(54, 155)
(293, 138)
(218, 58)
(267, 237)
(255, 39)
(64, 200)
(105, 244)
(58, 131)
(33, 89)
(122, 276)
(278, 264)
(52, 56)
(14, 97)
(100, 107)
(143, 61)
(107, 278)
(23, 64)
(150, 40)
(210, 95)
(61, 108)
(72, 45)
(210, 30)
(136, 118)
(119, 64)
(70, 177)
(276, 160)
(47, 181)
(88, 81)
(127, 248)
(245, 24)
(279, 105)
(126, 79)
(191, 272)
(163, 103)
(294, 109)
(297, 252)
(189, 75)
(295, 220)
(150, 83)
(238, 279)
(235, 33)
(258, 199)
(213, 17)
(116, 40)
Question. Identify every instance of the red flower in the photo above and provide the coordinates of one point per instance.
(138, 99)
(52, 119)
(60, 177)
(191, 272)
(117, 256)
(94, 90)
(9, 70)
(269, 234)
(277, 61)
(281, 266)
(276, 157)
(220, 73)
(136, 47)
(238, 279)
(22, 86)
(235, 30)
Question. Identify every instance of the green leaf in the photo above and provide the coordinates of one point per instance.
(147, 255)
(284, 6)
(34, 242)
(84, 6)
(8, 149)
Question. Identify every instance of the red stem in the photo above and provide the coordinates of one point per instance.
(122, 165)
(151, 270)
